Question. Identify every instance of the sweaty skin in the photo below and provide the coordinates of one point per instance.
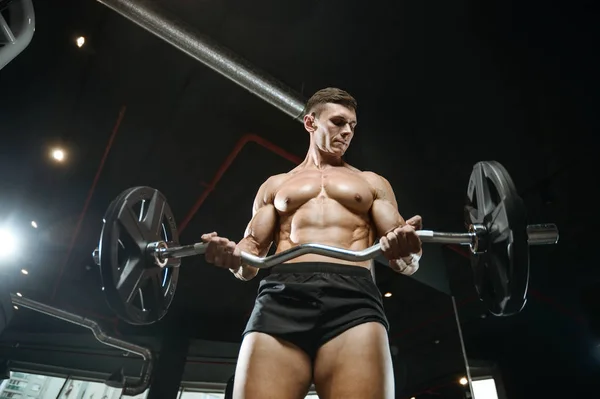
(323, 200)
(338, 206)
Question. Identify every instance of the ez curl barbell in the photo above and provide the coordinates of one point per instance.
(139, 253)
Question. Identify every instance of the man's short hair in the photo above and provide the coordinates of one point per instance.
(329, 95)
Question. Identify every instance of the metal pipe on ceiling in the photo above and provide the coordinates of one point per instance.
(185, 38)
(16, 35)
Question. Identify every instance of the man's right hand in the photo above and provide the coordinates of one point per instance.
(221, 252)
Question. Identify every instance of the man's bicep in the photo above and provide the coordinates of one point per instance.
(384, 211)
(260, 231)
(262, 197)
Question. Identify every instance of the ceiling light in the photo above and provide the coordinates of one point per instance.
(8, 243)
(58, 154)
(19, 294)
(387, 294)
(16, 307)
(80, 41)
(34, 224)
(24, 271)
(463, 381)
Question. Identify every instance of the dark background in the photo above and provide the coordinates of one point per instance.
(440, 85)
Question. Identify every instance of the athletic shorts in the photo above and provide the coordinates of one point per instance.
(309, 303)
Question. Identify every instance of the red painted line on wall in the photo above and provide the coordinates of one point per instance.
(89, 197)
(241, 143)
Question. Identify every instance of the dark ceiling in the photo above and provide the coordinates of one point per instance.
(440, 85)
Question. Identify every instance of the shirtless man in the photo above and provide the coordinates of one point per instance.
(317, 319)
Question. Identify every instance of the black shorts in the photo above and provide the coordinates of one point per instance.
(310, 303)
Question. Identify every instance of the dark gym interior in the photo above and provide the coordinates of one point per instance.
(440, 86)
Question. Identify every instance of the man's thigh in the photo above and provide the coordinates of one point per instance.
(269, 367)
(355, 364)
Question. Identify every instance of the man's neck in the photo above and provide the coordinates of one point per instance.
(317, 159)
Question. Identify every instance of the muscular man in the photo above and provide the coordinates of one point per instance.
(318, 319)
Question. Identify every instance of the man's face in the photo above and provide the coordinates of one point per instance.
(332, 129)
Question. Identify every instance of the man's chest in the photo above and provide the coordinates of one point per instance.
(349, 189)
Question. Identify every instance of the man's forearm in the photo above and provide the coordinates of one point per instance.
(248, 245)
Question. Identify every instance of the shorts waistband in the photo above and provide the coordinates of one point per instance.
(321, 267)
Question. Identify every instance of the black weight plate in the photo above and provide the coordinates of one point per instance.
(501, 269)
(136, 289)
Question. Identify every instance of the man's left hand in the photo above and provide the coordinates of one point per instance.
(402, 246)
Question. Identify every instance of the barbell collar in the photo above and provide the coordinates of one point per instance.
(181, 251)
(96, 256)
(542, 234)
(154, 250)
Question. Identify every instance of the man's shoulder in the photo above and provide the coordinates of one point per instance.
(273, 182)
(367, 174)
(266, 192)
(373, 178)
(275, 179)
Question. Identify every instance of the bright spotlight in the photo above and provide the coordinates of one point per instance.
(19, 294)
(58, 155)
(16, 307)
(8, 243)
(387, 294)
(80, 41)
(24, 271)
(34, 224)
(463, 381)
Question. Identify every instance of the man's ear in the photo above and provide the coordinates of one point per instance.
(309, 122)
